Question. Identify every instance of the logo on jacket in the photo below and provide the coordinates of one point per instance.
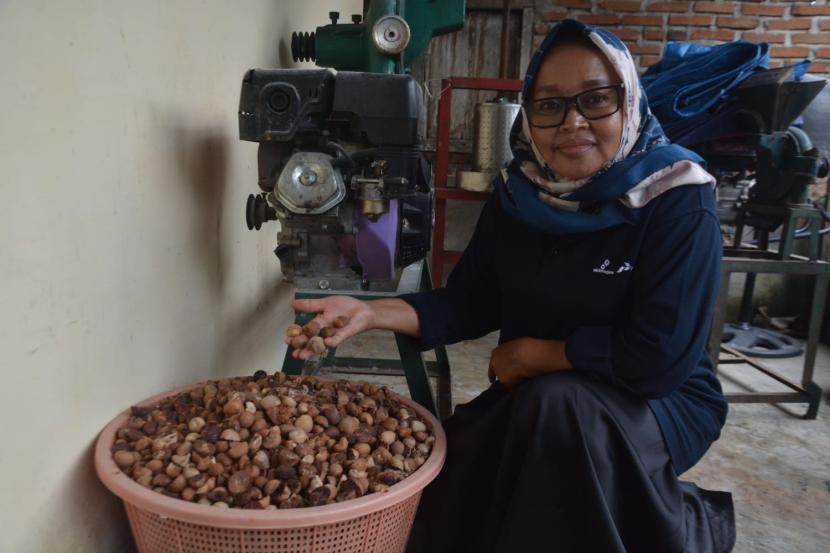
(605, 268)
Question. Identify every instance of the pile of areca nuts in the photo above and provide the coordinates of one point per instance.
(273, 441)
(311, 336)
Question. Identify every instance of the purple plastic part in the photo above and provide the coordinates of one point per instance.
(377, 244)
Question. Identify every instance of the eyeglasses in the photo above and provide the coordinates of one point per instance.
(592, 104)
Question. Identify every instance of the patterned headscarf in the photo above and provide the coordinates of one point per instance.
(644, 166)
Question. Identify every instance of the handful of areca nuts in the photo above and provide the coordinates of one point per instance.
(311, 335)
(273, 442)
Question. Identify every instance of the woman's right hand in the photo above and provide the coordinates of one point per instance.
(359, 314)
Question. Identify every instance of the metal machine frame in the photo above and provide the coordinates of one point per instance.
(412, 365)
(442, 164)
(739, 258)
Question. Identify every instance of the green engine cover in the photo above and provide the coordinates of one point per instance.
(392, 34)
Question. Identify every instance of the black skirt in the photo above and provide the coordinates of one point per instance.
(564, 463)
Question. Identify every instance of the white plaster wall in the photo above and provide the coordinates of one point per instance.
(125, 265)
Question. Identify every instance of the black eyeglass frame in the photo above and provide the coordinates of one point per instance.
(572, 101)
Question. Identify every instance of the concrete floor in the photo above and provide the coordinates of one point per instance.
(775, 464)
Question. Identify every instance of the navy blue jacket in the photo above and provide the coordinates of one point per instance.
(632, 302)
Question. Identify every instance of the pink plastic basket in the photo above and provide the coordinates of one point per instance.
(377, 523)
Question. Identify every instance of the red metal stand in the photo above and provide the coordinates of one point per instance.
(442, 164)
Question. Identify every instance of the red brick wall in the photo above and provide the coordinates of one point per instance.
(795, 30)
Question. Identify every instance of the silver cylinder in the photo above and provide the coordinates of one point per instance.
(491, 139)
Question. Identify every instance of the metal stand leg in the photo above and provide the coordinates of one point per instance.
(813, 333)
(290, 365)
(762, 262)
(415, 371)
(719, 318)
(444, 382)
(442, 362)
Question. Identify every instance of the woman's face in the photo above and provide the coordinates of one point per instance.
(579, 147)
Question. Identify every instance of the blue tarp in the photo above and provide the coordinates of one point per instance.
(691, 78)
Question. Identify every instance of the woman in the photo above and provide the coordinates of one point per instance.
(598, 259)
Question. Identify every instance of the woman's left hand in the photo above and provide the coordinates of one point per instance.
(524, 358)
